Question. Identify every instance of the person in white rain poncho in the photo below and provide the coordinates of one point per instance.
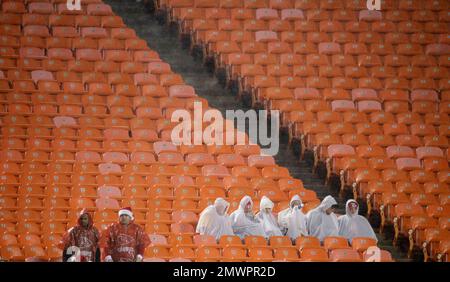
(244, 222)
(292, 220)
(353, 225)
(214, 220)
(321, 221)
(267, 219)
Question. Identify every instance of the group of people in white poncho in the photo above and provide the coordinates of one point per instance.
(319, 222)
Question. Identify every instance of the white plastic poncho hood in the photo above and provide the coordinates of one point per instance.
(212, 223)
(354, 225)
(245, 224)
(267, 219)
(319, 223)
(292, 220)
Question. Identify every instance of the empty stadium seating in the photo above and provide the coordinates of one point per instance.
(366, 92)
(85, 109)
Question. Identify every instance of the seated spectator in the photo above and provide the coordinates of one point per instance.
(321, 221)
(293, 220)
(124, 241)
(84, 236)
(267, 219)
(214, 220)
(244, 222)
(353, 225)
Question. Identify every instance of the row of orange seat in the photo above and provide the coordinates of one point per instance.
(38, 7)
(255, 248)
(205, 248)
(159, 197)
(143, 216)
(403, 5)
(254, 65)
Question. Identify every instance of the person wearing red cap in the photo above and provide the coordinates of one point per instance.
(124, 241)
(85, 237)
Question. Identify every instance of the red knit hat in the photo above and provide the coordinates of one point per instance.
(126, 211)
